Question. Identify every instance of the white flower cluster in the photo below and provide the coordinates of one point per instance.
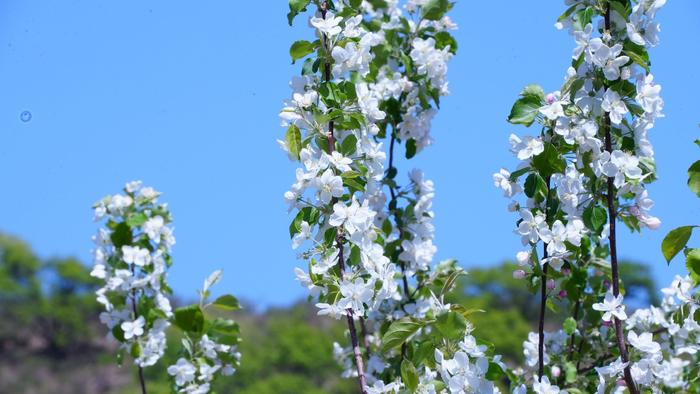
(466, 371)
(132, 255)
(575, 116)
(665, 342)
(194, 375)
(593, 154)
(554, 343)
(370, 257)
(321, 183)
(664, 345)
(417, 253)
(205, 356)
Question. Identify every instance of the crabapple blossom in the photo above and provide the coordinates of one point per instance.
(611, 306)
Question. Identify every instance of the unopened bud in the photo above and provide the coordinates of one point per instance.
(551, 284)
(519, 274)
(556, 371)
(563, 294)
(550, 98)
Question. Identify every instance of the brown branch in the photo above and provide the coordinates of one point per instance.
(612, 215)
(543, 296)
(365, 338)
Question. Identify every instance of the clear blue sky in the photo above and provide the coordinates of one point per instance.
(186, 98)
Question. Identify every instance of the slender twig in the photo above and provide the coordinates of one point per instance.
(339, 236)
(393, 203)
(142, 379)
(612, 215)
(577, 306)
(365, 338)
(594, 364)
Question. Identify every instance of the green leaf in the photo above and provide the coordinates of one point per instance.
(533, 90)
(525, 110)
(409, 375)
(300, 49)
(550, 161)
(595, 218)
(638, 54)
(569, 325)
(411, 148)
(450, 281)
(293, 140)
(135, 350)
(435, 9)
(692, 262)
(121, 235)
(355, 4)
(190, 318)
(227, 302)
(349, 145)
(694, 178)
(568, 12)
(535, 187)
(398, 332)
(495, 372)
(675, 241)
(570, 371)
(136, 219)
(444, 39)
(118, 333)
(295, 7)
(451, 325)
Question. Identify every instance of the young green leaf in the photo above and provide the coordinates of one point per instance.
(398, 332)
(190, 318)
(296, 7)
(694, 178)
(300, 49)
(409, 375)
(525, 110)
(227, 302)
(435, 9)
(569, 325)
(451, 325)
(675, 241)
(293, 140)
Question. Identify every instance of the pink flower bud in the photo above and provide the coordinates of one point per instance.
(550, 98)
(563, 294)
(551, 284)
(565, 271)
(556, 371)
(519, 274)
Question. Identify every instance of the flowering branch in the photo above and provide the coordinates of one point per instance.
(132, 255)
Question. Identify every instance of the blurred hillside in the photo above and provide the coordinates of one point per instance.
(51, 340)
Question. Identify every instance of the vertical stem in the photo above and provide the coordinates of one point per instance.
(612, 215)
(543, 303)
(543, 295)
(365, 339)
(142, 380)
(393, 203)
(572, 338)
(339, 235)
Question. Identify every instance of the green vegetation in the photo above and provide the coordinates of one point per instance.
(52, 341)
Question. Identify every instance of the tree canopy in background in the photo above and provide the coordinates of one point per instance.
(52, 341)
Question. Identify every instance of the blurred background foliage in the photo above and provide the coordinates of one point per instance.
(51, 340)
